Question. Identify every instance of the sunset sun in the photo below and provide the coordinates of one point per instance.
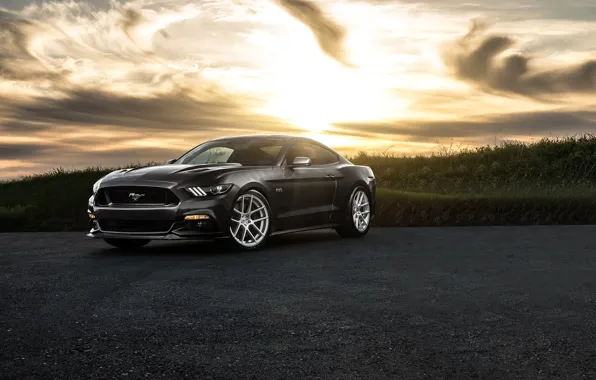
(313, 91)
(315, 94)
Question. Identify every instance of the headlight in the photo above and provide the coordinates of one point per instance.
(96, 186)
(208, 190)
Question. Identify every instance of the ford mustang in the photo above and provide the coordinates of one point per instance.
(245, 188)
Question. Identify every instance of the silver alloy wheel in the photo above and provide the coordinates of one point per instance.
(250, 221)
(360, 210)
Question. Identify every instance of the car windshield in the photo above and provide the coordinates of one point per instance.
(245, 151)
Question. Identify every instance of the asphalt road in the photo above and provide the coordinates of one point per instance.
(496, 302)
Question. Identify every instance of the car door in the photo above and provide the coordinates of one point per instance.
(306, 193)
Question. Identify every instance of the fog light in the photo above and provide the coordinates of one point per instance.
(196, 217)
(91, 216)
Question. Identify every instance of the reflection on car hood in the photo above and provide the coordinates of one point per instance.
(171, 172)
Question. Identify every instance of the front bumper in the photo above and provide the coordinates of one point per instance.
(162, 222)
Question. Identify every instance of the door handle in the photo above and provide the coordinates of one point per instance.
(330, 175)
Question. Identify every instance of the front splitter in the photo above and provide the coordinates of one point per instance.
(98, 234)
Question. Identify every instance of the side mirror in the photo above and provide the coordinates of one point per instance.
(172, 161)
(301, 161)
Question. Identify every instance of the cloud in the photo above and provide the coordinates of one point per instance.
(58, 154)
(131, 19)
(114, 157)
(124, 156)
(515, 124)
(19, 126)
(177, 110)
(577, 10)
(17, 61)
(58, 42)
(133, 22)
(328, 33)
(100, 74)
(482, 60)
(8, 151)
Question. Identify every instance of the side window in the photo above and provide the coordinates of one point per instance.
(318, 154)
(300, 150)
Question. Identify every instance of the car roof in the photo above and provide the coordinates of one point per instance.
(278, 136)
(271, 136)
(286, 137)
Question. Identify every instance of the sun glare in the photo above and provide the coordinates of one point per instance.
(314, 96)
(313, 91)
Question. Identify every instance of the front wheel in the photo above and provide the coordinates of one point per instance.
(356, 220)
(127, 243)
(250, 220)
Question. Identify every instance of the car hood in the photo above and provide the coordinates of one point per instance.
(170, 173)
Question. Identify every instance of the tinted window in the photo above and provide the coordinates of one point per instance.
(245, 151)
(324, 156)
(318, 154)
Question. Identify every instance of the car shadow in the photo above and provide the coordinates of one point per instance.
(221, 247)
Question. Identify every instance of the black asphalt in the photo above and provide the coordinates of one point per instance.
(495, 302)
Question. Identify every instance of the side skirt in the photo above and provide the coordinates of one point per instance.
(310, 228)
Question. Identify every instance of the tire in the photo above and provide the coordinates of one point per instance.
(348, 228)
(127, 243)
(250, 220)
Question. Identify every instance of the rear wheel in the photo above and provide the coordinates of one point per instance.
(356, 221)
(250, 220)
(127, 243)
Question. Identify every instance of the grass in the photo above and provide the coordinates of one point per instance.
(552, 181)
(562, 167)
(406, 209)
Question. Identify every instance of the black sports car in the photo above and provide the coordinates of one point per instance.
(246, 188)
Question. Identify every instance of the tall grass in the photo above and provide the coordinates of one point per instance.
(550, 166)
(55, 200)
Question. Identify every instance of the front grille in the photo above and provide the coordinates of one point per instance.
(151, 226)
(136, 195)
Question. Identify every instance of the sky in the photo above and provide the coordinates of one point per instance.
(102, 82)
